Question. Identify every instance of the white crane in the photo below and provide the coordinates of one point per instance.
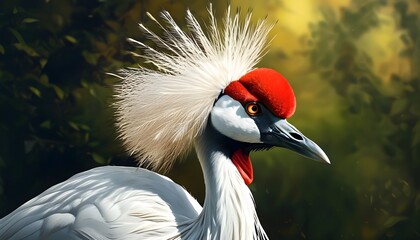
(206, 93)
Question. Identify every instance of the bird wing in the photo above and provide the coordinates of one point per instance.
(104, 203)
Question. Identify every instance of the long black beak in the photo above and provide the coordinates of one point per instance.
(283, 134)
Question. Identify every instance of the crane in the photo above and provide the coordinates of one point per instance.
(202, 90)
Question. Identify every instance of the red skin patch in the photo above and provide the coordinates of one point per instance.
(242, 162)
(269, 88)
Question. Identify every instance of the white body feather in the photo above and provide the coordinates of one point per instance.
(104, 203)
(134, 203)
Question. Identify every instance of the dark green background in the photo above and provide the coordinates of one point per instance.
(56, 117)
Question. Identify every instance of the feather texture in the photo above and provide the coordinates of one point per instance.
(161, 111)
(104, 203)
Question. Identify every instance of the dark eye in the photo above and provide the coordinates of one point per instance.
(252, 109)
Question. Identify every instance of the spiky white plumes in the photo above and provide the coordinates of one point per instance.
(160, 112)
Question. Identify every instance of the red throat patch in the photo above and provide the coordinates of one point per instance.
(242, 162)
(266, 86)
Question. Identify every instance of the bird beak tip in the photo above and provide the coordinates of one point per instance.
(325, 158)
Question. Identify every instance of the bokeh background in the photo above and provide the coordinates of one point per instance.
(354, 66)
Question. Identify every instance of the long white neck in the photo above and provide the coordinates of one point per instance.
(229, 210)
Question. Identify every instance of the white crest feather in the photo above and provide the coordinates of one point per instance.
(160, 112)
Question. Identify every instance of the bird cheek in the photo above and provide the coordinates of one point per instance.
(229, 118)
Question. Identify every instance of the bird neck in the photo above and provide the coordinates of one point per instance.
(228, 210)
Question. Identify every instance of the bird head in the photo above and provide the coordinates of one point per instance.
(162, 110)
(253, 111)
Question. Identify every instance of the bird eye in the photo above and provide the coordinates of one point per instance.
(252, 109)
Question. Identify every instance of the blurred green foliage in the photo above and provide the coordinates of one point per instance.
(383, 115)
(54, 93)
(57, 120)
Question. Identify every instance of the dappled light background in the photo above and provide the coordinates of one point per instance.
(354, 66)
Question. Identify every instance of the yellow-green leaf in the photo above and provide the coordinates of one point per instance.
(29, 20)
(59, 92)
(391, 221)
(91, 58)
(71, 39)
(92, 92)
(74, 126)
(17, 35)
(25, 48)
(46, 124)
(43, 62)
(84, 84)
(98, 158)
(44, 80)
(35, 91)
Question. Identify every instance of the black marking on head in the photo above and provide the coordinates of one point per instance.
(218, 97)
